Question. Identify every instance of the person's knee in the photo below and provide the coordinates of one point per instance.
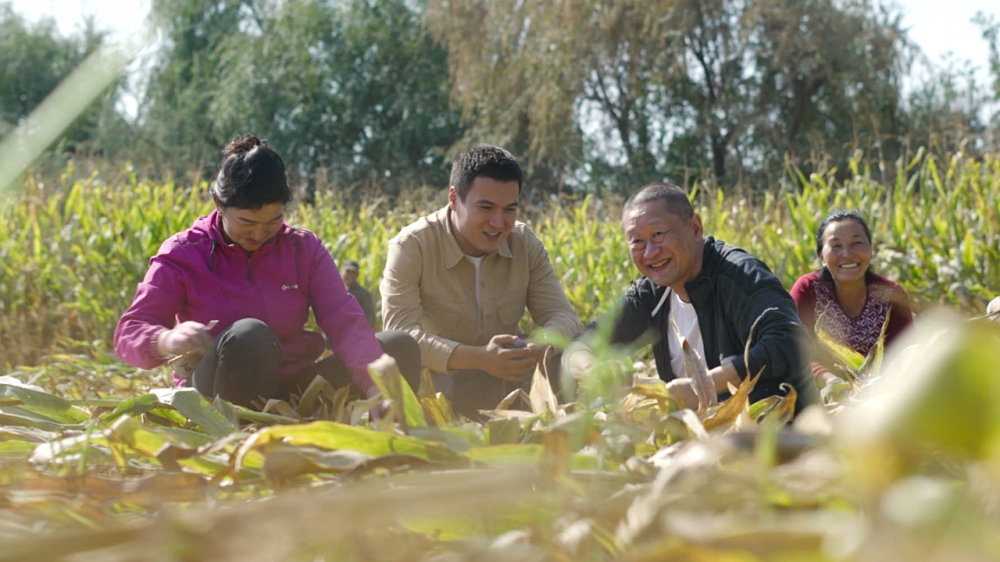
(249, 356)
(402, 347)
(398, 342)
(250, 337)
(250, 332)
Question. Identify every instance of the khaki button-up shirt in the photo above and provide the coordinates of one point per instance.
(428, 289)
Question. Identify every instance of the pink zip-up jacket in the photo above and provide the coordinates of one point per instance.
(197, 275)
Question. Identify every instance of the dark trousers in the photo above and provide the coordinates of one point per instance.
(244, 363)
(471, 390)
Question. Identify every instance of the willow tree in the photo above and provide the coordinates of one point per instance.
(524, 73)
(833, 78)
(184, 78)
(648, 89)
(991, 33)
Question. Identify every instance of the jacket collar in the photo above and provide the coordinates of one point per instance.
(700, 288)
(450, 250)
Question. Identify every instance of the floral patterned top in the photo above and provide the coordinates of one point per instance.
(813, 294)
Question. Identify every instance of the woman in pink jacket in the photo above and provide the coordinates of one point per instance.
(231, 295)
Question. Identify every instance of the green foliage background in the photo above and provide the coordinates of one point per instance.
(367, 104)
(590, 96)
(72, 253)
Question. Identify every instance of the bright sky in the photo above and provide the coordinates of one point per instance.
(120, 15)
(943, 26)
(938, 26)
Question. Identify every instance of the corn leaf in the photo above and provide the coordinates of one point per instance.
(194, 407)
(335, 436)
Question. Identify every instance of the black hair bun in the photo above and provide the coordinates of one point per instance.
(242, 144)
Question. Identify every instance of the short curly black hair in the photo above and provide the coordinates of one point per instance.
(484, 160)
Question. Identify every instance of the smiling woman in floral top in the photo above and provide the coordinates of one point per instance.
(855, 300)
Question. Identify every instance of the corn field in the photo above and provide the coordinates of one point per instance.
(100, 460)
(71, 254)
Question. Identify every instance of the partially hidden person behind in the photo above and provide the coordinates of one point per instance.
(230, 296)
(703, 291)
(460, 279)
(846, 296)
(349, 271)
(993, 309)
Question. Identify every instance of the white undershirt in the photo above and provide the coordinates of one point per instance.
(477, 262)
(684, 317)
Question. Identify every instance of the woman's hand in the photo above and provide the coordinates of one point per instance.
(833, 389)
(185, 337)
(380, 409)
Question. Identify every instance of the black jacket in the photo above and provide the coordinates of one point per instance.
(731, 292)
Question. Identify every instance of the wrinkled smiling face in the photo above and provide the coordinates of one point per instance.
(486, 217)
(847, 251)
(664, 246)
(249, 228)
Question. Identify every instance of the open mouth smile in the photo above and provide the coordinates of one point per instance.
(660, 265)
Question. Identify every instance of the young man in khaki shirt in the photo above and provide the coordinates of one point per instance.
(459, 280)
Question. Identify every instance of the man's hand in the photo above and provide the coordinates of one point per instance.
(504, 361)
(540, 351)
(577, 363)
(723, 376)
(185, 337)
(506, 357)
(682, 391)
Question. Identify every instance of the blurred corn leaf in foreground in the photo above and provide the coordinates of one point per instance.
(160, 476)
(939, 394)
(44, 125)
